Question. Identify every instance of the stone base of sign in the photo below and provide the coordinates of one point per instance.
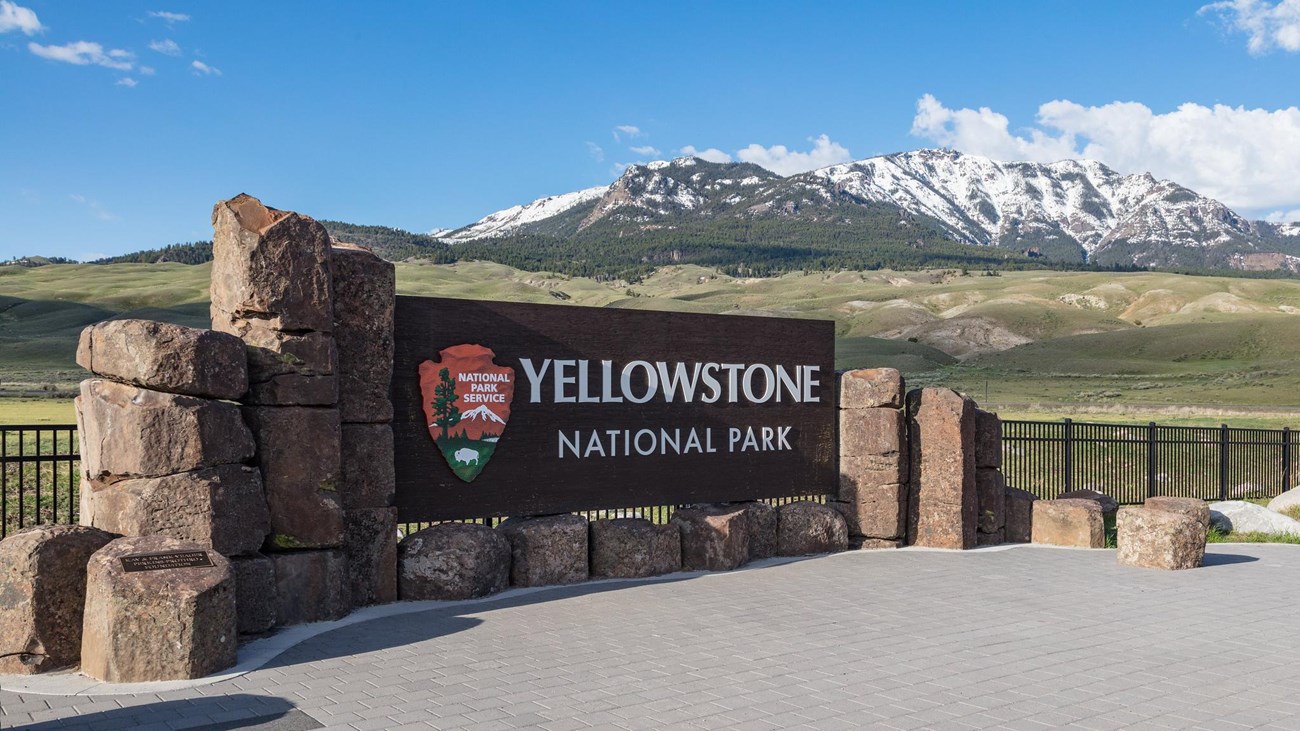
(452, 561)
(762, 529)
(547, 550)
(869, 388)
(714, 537)
(991, 539)
(364, 289)
(988, 440)
(165, 624)
(1156, 538)
(1019, 515)
(806, 528)
(991, 495)
(367, 466)
(43, 595)
(634, 548)
(943, 504)
(1073, 523)
(862, 543)
(371, 547)
(255, 598)
(166, 357)
(878, 511)
(298, 449)
(311, 586)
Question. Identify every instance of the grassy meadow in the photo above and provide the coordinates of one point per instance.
(1094, 346)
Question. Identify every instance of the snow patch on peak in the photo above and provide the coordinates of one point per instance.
(657, 164)
(506, 222)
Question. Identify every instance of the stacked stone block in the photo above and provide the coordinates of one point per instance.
(873, 488)
(990, 487)
(634, 548)
(1069, 522)
(547, 550)
(944, 503)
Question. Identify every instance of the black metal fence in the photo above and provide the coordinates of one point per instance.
(39, 468)
(1131, 462)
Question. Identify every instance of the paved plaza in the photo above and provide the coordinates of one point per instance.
(1021, 638)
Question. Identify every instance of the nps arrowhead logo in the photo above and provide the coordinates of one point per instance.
(466, 405)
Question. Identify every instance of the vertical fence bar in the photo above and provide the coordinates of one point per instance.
(1223, 461)
(1286, 458)
(1151, 459)
(1069, 455)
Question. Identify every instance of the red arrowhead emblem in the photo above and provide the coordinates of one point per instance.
(466, 405)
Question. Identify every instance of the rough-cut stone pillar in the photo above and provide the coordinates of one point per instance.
(943, 505)
(1069, 522)
(364, 300)
(43, 595)
(1020, 515)
(714, 537)
(311, 586)
(873, 458)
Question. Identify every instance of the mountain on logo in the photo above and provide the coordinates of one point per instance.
(482, 413)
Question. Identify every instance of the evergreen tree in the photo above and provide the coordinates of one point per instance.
(445, 413)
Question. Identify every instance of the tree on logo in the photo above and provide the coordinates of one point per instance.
(445, 413)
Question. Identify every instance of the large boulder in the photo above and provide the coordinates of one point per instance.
(1155, 538)
(1019, 523)
(714, 537)
(1285, 501)
(867, 388)
(1239, 516)
(873, 448)
(221, 507)
(805, 528)
(43, 595)
(991, 491)
(1065, 522)
(944, 505)
(135, 432)
(364, 298)
(633, 548)
(763, 528)
(255, 597)
(166, 357)
(547, 550)
(369, 480)
(452, 561)
(311, 586)
(298, 449)
(1192, 507)
(1108, 504)
(157, 624)
(371, 547)
(988, 439)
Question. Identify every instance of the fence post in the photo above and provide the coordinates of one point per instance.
(1069, 455)
(1151, 459)
(1286, 458)
(1223, 461)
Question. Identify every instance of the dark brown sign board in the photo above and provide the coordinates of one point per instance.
(538, 409)
(165, 560)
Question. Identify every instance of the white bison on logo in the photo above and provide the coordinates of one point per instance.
(465, 455)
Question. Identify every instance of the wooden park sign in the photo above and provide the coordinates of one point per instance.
(514, 409)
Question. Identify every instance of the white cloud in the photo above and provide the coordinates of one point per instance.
(95, 207)
(169, 17)
(84, 53)
(1246, 158)
(784, 161)
(16, 17)
(146, 71)
(166, 47)
(1283, 216)
(1269, 25)
(647, 150)
(126, 81)
(596, 151)
(711, 154)
(203, 69)
(629, 131)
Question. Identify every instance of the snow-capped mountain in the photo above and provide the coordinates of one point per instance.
(1069, 209)
(481, 413)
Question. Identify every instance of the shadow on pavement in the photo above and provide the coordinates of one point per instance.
(1224, 559)
(236, 711)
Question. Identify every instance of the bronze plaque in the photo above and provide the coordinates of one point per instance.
(166, 560)
(515, 409)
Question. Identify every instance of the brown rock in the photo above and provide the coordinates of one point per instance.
(762, 529)
(134, 432)
(1108, 504)
(874, 433)
(270, 266)
(1159, 538)
(364, 297)
(1069, 522)
(255, 599)
(988, 439)
(633, 548)
(219, 507)
(861, 543)
(167, 624)
(805, 528)
(371, 548)
(714, 537)
(367, 464)
(298, 448)
(867, 388)
(1199, 510)
(991, 539)
(43, 595)
(943, 505)
(290, 369)
(452, 561)
(547, 550)
(1019, 515)
(166, 357)
(991, 491)
(311, 586)
(878, 511)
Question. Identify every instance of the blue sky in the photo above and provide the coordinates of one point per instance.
(123, 122)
